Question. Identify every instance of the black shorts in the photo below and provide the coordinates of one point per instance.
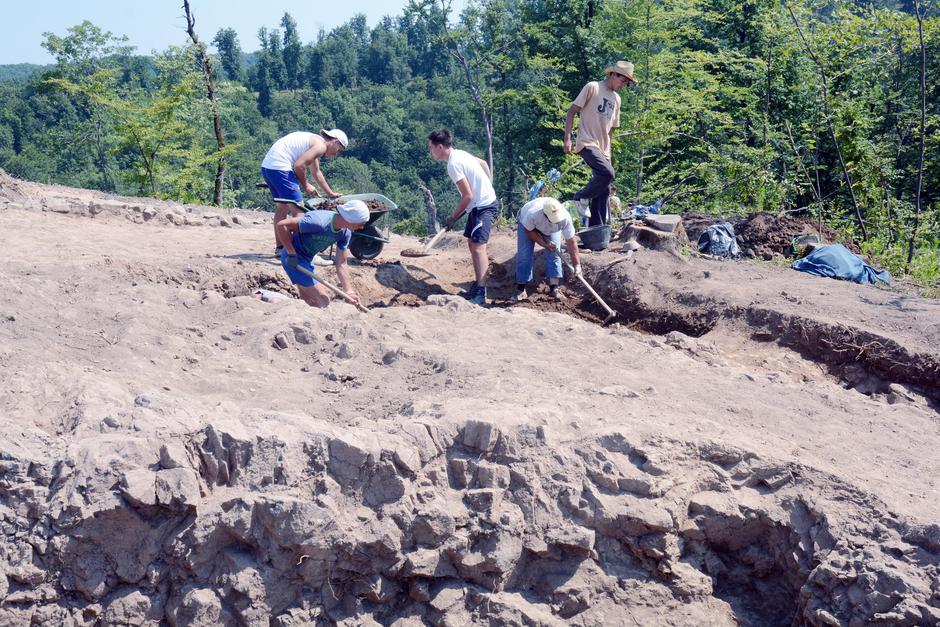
(480, 222)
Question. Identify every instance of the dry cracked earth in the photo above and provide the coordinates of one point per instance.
(745, 446)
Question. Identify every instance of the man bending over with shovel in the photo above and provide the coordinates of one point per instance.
(285, 167)
(305, 236)
(474, 181)
(545, 222)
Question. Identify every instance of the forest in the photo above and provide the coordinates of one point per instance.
(826, 109)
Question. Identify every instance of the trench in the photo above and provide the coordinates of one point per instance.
(857, 359)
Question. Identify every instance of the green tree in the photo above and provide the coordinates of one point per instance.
(230, 53)
(292, 51)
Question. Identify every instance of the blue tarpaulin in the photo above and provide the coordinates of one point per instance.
(838, 262)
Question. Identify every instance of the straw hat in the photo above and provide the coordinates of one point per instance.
(624, 68)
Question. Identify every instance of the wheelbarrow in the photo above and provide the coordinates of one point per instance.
(368, 241)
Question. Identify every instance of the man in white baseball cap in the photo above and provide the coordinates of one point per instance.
(285, 168)
(315, 231)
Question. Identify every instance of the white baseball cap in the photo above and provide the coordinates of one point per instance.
(354, 212)
(336, 134)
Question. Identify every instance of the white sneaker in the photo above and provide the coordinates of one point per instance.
(521, 296)
(320, 261)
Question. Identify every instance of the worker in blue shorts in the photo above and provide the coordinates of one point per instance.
(304, 236)
(286, 164)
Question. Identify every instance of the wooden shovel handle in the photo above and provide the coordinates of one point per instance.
(334, 289)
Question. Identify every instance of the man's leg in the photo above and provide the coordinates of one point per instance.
(481, 263)
(525, 255)
(281, 210)
(598, 188)
(314, 295)
(553, 266)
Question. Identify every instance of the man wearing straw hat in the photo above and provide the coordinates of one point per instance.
(545, 222)
(599, 107)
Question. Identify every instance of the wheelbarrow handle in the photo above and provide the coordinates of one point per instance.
(334, 289)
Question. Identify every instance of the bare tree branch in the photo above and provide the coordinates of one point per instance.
(213, 103)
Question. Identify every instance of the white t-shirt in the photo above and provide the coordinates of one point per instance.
(534, 219)
(286, 151)
(462, 165)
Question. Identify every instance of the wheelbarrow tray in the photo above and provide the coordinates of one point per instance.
(373, 213)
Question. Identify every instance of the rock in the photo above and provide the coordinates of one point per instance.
(347, 458)
(177, 487)
(390, 356)
(576, 540)
(457, 472)
(433, 528)
(344, 351)
(173, 455)
(479, 436)
(447, 596)
(492, 475)
(280, 341)
(138, 487)
(131, 608)
(429, 563)
(302, 336)
(450, 301)
(419, 590)
(619, 390)
(630, 516)
(200, 606)
(482, 500)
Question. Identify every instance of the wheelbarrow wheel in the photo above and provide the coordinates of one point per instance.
(366, 243)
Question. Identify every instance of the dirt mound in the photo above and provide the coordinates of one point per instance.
(762, 235)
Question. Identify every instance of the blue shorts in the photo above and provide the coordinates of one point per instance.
(480, 222)
(283, 184)
(296, 276)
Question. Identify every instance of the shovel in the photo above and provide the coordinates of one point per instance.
(611, 314)
(424, 252)
(333, 289)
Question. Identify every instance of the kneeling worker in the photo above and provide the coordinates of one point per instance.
(305, 236)
(545, 222)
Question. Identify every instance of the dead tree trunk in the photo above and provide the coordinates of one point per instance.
(832, 130)
(433, 226)
(213, 103)
(923, 117)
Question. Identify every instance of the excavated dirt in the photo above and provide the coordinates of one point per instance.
(762, 235)
(373, 205)
(747, 446)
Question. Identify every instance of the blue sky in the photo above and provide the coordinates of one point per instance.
(157, 24)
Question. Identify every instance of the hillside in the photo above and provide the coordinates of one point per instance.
(745, 445)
